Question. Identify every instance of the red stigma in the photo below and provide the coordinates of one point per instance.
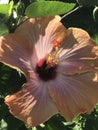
(56, 43)
(40, 63)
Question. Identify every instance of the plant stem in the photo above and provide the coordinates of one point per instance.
(72, 11)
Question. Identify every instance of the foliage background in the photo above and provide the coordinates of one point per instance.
(11, 80)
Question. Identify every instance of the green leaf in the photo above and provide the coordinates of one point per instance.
(3, 29)
(47, 8)
(6, 9)
(11, 4)
(95, 37)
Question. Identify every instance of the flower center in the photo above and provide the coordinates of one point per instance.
(46, 67)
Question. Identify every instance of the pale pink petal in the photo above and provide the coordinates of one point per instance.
(79, 53)
(17, 52)
(31, 41)
(76, 94)
(32, 104)
(42, 32)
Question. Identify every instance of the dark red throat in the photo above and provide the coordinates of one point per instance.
(45, 73)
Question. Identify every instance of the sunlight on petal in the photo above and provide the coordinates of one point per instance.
(74, 95)
(32, 104)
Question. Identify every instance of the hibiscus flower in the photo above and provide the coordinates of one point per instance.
(61, 68)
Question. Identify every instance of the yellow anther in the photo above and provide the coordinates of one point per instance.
(52, 59)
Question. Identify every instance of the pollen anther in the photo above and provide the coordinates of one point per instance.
(52, 59)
